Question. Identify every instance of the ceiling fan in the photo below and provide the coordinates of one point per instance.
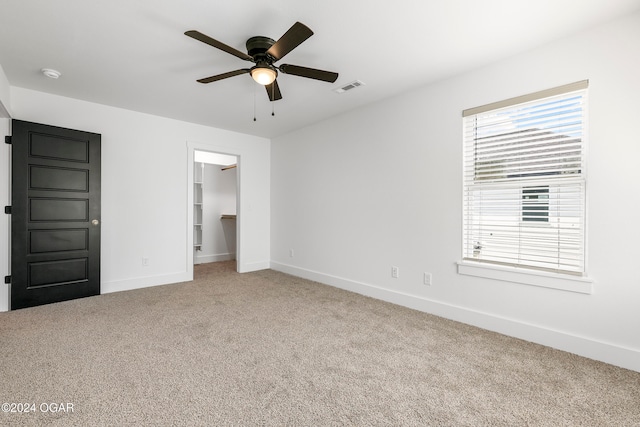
(264, 51)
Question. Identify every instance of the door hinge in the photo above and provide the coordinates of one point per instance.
(7, 210)
(7, 139)
(7, 280)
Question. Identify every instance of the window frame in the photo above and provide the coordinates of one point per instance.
(522, 273)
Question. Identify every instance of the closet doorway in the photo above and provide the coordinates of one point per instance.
(215, 207)
(211, 238)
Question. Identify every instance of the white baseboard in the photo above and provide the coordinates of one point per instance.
(4, 299)
(582, 346)
(202, 258)
(165, 279)
(144, 282)
(247, 267)
(130, 284)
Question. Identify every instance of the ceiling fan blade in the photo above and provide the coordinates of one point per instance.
(311, 73)
(223, 76)
(273, 90)
(215, 43)
(290, 40)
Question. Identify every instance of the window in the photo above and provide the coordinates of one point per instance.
(524, 181)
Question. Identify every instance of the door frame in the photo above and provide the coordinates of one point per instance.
(192, 147)
(5, 222)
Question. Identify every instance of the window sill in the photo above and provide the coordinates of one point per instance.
(581, 285)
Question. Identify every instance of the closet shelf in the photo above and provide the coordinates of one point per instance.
(198, 179)
(228, 216)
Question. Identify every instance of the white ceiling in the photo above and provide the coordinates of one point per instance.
(133, 53)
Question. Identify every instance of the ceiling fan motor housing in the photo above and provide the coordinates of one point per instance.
(258, 46)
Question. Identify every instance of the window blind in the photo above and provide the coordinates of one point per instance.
(524, 181)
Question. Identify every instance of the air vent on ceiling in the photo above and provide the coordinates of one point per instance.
(352, 85)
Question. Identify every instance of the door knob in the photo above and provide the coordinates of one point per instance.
(95, 222)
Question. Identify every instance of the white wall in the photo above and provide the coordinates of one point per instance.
(381, 186)
(5, 97)
(219, 197)
(144, 187)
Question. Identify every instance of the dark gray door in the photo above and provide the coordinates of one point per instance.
(55, 218)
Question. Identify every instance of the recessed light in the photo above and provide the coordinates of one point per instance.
(52, 74)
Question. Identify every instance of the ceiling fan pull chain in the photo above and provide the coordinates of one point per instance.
(254, 103)
(273, 96)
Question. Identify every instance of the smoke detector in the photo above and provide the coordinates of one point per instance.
(52, 74)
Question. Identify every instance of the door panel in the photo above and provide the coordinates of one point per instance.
(49, 178)
(58, 147)
(58, 210)
(58, 240)
(61, 272)
(55, 221)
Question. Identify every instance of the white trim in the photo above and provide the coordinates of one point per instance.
(603, 351)
(546, 93)
(191, 148)
(5, 222)
(524, 276)
(145, 282)
(190, 180)
(248, 267)
(203, 259)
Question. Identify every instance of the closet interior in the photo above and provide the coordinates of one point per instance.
(215, 206)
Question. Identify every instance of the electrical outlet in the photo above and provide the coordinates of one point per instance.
(145, 261)
(290, 253)
(395, 272)
(427, 279)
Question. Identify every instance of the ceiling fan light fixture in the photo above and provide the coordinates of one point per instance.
(263, 75)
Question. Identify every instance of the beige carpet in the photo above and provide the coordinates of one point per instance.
(269, 349)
